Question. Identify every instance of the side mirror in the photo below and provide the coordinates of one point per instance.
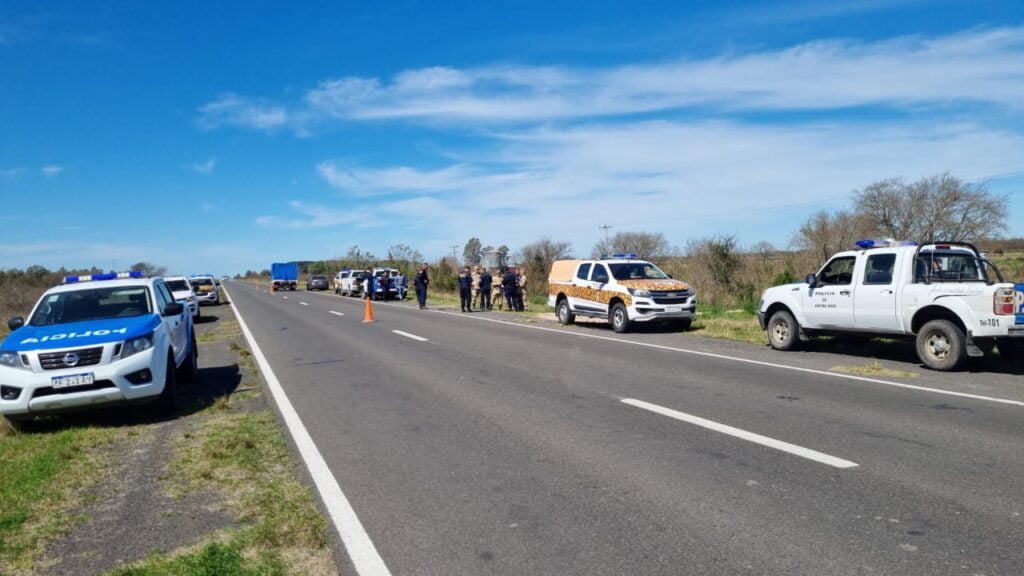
(15, 323)
(811, 280)
(173, 309)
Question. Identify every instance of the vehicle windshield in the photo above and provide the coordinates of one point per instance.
(178, 285)
(92, 304)
(953, 266)
(201, 282)
(318, 278)
(637, 271)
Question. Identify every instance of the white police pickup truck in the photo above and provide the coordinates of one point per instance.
(96, 340)
(946, 295)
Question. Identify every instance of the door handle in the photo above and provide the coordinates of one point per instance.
(886, 291)
(844, 292)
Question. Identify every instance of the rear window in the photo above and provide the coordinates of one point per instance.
(178, 285)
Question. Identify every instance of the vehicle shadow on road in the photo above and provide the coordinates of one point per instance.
(209, 386)
(905, 352)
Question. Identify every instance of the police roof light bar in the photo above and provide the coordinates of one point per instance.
(106, 276)
(884, 243)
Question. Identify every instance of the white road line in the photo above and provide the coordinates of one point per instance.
(336, 313)
(407, 335)
(304, 304)
(363, 553)
(285, 297)
(745, 435)
(737, 359)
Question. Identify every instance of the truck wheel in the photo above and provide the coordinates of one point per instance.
(941, 345)
(783, 331)
(565, 315)
(167, 402)
(619, 318)
(190, 368)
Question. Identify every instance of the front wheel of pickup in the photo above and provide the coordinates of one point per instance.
(619, 318)
(941, 345)
(167, 402)
(783, 331)
(564, 313)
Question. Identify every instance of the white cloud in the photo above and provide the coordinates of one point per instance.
(51, 170)
(233, 110)
(12, 172)
(313, 216)
(979, 66)
(684, 179)
(205, 167)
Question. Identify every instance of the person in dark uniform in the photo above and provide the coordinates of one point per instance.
(485, 289)
(510, 286)
(367, 282)
(385, 285)
(421, 282)
(466, 289)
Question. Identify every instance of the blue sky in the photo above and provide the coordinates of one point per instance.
(223, 136)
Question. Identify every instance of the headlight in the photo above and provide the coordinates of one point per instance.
(136, 345)
(8, 358)
(640, 293)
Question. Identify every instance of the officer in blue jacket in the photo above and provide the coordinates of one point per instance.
(485, 289)
(466, 289)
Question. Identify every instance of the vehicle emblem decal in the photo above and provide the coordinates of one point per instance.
(70, 359)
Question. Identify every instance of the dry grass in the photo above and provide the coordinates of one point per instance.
(876, 369)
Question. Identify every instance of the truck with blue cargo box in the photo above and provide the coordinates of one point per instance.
(284, 276)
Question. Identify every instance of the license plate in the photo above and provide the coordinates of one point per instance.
(73, 380)
(674, 309)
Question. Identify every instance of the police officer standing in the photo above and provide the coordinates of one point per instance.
(510, 286)
(385, 283)
(466, 289)
(421, 282)
(485, 289)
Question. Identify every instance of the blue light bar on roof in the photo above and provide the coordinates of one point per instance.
(200, 275)
(105, 276)
(884, 243)
(625, 256)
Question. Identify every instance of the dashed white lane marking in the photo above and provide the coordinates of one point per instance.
(364, 555)
(336, 313)
(725, 357)
(304, 304)
(814, 455)
(285, 297)
(407, 335)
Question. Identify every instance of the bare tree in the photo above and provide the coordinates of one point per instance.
(933, 208)
(405, 257)
(537, 257)
(645, 245)
(825, 233)
(149, 269)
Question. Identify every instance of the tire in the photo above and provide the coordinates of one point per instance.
(190, 369)
(167, 402)
(618, 317)
(941, 345)
(783, 331)
(564, 313)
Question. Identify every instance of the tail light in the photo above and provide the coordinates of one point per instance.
(1003, 301)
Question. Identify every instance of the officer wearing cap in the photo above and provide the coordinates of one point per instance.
(466, 289)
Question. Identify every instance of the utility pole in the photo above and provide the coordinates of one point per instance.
(605, 228)
(455, 262)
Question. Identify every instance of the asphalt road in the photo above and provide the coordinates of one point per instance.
(473, 446)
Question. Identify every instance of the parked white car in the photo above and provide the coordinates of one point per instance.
(182, 291)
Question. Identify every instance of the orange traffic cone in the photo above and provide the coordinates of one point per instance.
(368, 316)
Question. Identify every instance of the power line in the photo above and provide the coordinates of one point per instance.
(605, 228)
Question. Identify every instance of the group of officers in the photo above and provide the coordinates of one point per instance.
(479, 288)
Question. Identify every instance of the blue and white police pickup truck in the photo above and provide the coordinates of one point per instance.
(97, 340)
(954, 303)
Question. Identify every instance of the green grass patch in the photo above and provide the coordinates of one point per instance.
(728, 324)
(42, 476)
(213, 559)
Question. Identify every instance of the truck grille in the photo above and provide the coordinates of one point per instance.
(671, 300)
(86, 357)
